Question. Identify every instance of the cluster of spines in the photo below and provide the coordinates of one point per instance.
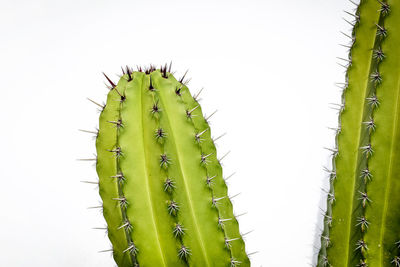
(375, 79)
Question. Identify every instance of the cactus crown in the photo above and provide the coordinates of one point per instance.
(164, 197)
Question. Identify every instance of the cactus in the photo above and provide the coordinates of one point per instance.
(164, 198)
(362, 220)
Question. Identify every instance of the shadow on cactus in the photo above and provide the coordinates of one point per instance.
(164, 197)
(362, 221)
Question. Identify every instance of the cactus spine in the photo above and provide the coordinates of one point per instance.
(164, 197)
(361, 224)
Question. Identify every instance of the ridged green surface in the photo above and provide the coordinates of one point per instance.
(164, 198)
(362, 220)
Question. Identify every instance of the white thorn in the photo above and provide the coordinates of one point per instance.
(193, 109)
(89, 182)
(226, 154)
(86, 131)
(106, 250)
(249, 232)
(96, 207)
(229, 176)
(207, 118)
(94, 102)
(197, 95)
(215, 139)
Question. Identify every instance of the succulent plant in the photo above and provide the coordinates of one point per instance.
(163, 195)
(362, 220)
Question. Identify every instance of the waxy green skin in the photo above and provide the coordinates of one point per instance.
(362, 222)
(134, 162)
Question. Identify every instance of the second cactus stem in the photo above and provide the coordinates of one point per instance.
(362, 221)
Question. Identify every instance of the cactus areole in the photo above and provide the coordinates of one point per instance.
(164, 197)
(362, 221)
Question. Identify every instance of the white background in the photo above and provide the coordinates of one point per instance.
(269, 67)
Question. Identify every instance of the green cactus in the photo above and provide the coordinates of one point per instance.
(164, 197)
(362, 221)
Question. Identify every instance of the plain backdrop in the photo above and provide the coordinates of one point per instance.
(269, 68)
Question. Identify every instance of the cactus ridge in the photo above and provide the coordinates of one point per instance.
(164, 198)
(360, 220)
